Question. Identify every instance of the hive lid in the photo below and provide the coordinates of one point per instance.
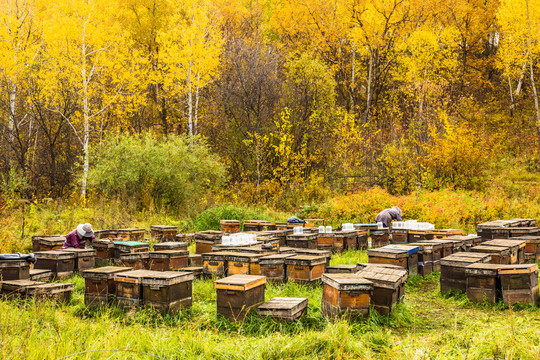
(315, 252)
(304, 236)
(129, 230)
(411, 249)
(518, 269)
(34, 272)
(134, 256)
(216, 255)
(347, 281)
(231, 222)
(506, 243)
(166, 278)
(130, 243)
(284, 303)
(491, 249)
(168, 253)
(107, 271)
(240, 282)
(388, 253)
(50, 288)
(462, 237)
(20, 284)
(342, 267)
(463, 259)
(384, 277)
(81, 252)
(305, 260)
(133, 275)
(275, 258)
(51, 240)
(170, 244)
(486, 269)
(163, 227)
(426, 246)
(55, 254)
(243, 256)
(345, 232)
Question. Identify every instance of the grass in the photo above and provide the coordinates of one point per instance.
(427, 325)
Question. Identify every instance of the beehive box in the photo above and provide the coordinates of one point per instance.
(302, 241)
(419, 235)
(468, 241)
(41, 275)
(195, 260)
(362, 239)
(168, 260)
(129, 247)
(305, 268)
(215, 263)
(12, 289)
(453, 269)
(448, 246)
(400, 236)
(168, 291)
(239, 247)
(230, 226)
(163, 233)
(61, 263)
(136, 261)
(197, 271)
(84, 258)
(325, 241)
(379, 238)
(412, 259)
(284, 308)
(315, 252)
(52, 291)
(236, 295)
(131, 234)
(532, 247)
(259, 225)
(499, 255)
(204, 240)
(524, 222)
(350, 239)
(517, 248)
(428, 254)
(105, 234)
(129, 292)
(345, 295)
(104, 251)
(47, 242)
(368, 227)
(273, 266)
(388, 256)
(519, 284)
(444, 233)
(243, 264)
(99, 284)
(342, 269)
(524, 231)
(14, 270)
(171, 245)
(281, 235)
(498, 229)
(483, 282)
(388, 285)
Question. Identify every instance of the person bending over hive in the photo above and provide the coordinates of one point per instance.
(77, 238)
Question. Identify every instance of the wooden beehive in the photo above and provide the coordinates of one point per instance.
(163, 233)
(195, 260)
(468, 241)
(99, 284)
(350, 239)
(315, 252)
(388, 256)
(453, 269)
(236, 295)
(400, 236)
(284, 308)
(230, 226)
(444, 233)
(131, 234)
(129, 247)
(104, 251)
(243, 264)
(257, 249)
(426, 257)
(204, 240)
(498, 229)
(41, 275)
(84, 258)
(519, 284)
(412, 258)
(47, 242)
(129, 292)
(281, 235)
(483, 282)
(532, 247)
(517, 248)
(61, 263)
(448, 246)
(168, 291)
(259, 225)
(379, 238)
(215, 263)
(171, 245)
(136, 261)
(302, 241)
(14, 270)
(305, 268)
(524, 231)
(499, 255)
(52, 291)
(419, 235)
(197, 271)
(388, 285)
(273, 266)
(362, 239)
(12, 289)
(342, 269)
(524, 222)
(325, 241)
(345, 295)
(168, 260)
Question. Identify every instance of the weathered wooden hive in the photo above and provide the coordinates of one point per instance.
(236, 295)
(99, 284)
(13, 289)
(204, 240)
(388, 285)
(519, 284)
(243, 264)
(362, 239)
(342, 269)
(259, 225)
(517, 248)
(104, 251)
(84, 258)
(47, 242)
(168, 291)
(325, 241)
(284, 308)
(196, 270)
(453, 269)
(195, 260)
(273, 267)
(136, 260)
(171, 245)
(499, 254)
(61, 263)
(483, 282)
(349, 239)
(315, 252)
(129, 247)
(230, 226)
(305, 268)
(444, 233)
(163, 233)
(131, 234)
(52, 291)
(168, 260)
(379, 238)
(14, 269)
(388, 256)
(524, 231)
(400, 236)
(129, 291)
(412, 258)
(215, 263)
(532, 248)
(428, 254)
(302, 241)
(41, 275)
(345, 295)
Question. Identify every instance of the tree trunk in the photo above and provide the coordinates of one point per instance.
(12, 108)
(190, 102)
(86, 134)
(353, 78)
(369, 85)
(532, 73)
(196, 117)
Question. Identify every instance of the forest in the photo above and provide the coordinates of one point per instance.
(264, 102)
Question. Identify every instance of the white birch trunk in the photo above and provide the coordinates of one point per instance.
(196, 118)
(12, 108)
(532, 73)
(190, 102)
(86, 134)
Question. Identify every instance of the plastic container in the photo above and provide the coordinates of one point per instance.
(321, 229)
(329, 229)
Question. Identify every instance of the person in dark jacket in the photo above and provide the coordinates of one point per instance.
(387, 215)
(77, 238)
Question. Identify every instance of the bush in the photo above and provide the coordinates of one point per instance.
(168, 171)
(210, 218)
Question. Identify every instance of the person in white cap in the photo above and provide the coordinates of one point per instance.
(77, 238)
